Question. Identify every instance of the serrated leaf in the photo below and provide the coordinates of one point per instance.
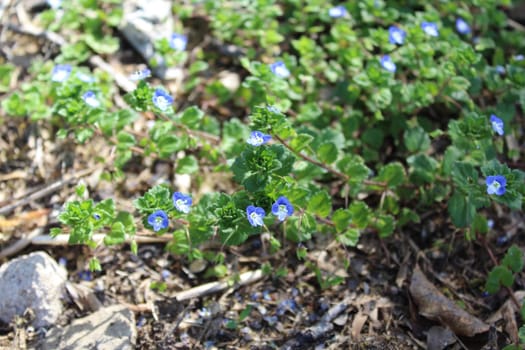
(301, 142)
(498, 276)
(416, 140)
(341, 219)
(393, 174)
(187, 165)
(350, 237)
(320, 204)
(327, 153)
(125, 140)
(191, 117)
(461, 210)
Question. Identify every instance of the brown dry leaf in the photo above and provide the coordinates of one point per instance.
(357, 324)
(510, 323)
(435, 306)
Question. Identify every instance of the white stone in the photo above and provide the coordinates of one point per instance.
(32, 281)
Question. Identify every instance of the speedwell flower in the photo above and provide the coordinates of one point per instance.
(182, 202)
(430, 28)
(387, 63)
(496, 185)
(140, 74)
(60, 73)
(462, 27)
(337, 11)
(158, 220)
(91, 99)
(396, 35)
(86, 78)
(257, 138)
(54, 4)
(178, 42)
(519, 57)
(282, 208)
(497, 125)
(161, 99)
(279, 69)
(255, 215)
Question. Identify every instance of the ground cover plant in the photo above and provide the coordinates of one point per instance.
(380, 134)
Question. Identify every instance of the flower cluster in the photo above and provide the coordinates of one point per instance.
(159, 219)
(282, 208)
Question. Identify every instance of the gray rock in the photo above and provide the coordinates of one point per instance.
(32, 281)
(144, 22)
(111, 328)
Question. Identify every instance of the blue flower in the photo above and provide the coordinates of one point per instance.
(257, 138)
(60, 73)
(85, 77)
(462, 27)
(430, 28)
(282, 208)
(497, 125)
(91, 99)
(386, 63)
(255, 215)
(500, 69)
(519, 57)
(158, 220)
(337, 11)
(279, 69)
(161, 99)
(140, 74)
(396, 35)
(96, 216)
(181, 202)
(178, 42)
(496, 185)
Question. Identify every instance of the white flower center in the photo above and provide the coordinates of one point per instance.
(162, 102)
(256, 218)
(282, 213)
(398, 38)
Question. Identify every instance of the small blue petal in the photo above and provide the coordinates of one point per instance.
(91, 99)
(282, 208)
(140, 74)
(387, 63)
(54, 4)
(258, 138)
(182, 202)
(496, 184)
(255, 215)
(158, 220)
(60, 73)
(161, 99)
(178, 42)
(430, 28)
(337, 11)
(497, 125)
(279, 69)
(519, 57)
(462, 27)
(396, 35)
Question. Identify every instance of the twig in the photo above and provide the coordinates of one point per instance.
(20, 244)
(28, 197)
(215, 287)
(63, 239)
(324, 166)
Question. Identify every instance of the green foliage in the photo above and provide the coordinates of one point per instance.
(503, 274)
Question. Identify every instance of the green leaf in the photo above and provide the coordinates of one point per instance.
(416, 140)
(301, 142)
(349, 238)
(157, 198)
(461, 210)
(385, 225)
(117, 235)
(513, 259)
(192, 117)
(187, 165)
(393, 174)
(360, 214)
(341, 219)
(327, 153)
(320, 204)
(125, 140)
(499, 275)
(55, 231)
(94, 264)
